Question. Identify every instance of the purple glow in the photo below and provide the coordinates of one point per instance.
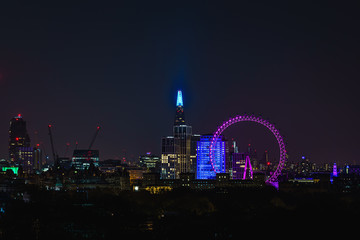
(248, 165)
(246, 118)
(335, 170)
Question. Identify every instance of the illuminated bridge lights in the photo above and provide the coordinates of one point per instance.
(248, 118)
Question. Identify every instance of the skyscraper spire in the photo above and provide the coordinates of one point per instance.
(179, 115)
(179, 99)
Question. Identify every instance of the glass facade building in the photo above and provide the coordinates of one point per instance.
(18, 137)
(204, 168)
(24, 156)
(177, 153)
(82, 159)
(182, 147)
(168, 158)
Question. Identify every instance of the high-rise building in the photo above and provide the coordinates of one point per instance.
(168, 158)
(204, 166)
(37, 159)
(231, 147)
(182, 139)
(24, 158)
(176, 150)
(193, 152)
(264, 163)
(182, 147)
(18, 137)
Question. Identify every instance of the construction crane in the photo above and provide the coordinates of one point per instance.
(52, 145)
(94, 137)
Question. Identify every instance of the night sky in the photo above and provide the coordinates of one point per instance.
(119, 65)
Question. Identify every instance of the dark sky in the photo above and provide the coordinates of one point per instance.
(119, 65)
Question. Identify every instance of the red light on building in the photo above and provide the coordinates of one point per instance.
(17, 139)
(268, 163)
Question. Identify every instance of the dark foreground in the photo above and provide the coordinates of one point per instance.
(181, 214)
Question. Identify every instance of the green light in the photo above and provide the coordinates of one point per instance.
(14, 169)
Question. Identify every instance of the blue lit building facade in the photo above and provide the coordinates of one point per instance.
(204, 169)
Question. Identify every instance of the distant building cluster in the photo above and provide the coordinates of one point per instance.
(21, 153)
(29, 157)
(184, 162)
(185, 152)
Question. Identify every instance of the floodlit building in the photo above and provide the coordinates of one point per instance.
(204, 168)
(168, 158)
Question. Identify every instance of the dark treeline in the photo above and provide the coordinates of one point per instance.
(180, 214)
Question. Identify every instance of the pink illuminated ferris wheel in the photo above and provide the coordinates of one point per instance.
(246, 118)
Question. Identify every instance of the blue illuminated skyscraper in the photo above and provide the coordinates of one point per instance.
(204, 169)
(179, 115)
(176, 149)
(179, 99)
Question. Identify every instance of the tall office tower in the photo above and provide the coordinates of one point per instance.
(182, 139)
(204, 167)
(264, 162)
(37, 159)
(18, 137)
(176, 150)
(231, 147)
(193, 152)
(24, 157)
(182, 147)
(251, 151)
(168, 158)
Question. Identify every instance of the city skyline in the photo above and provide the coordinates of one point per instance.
(122, 70)
(178, 119)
